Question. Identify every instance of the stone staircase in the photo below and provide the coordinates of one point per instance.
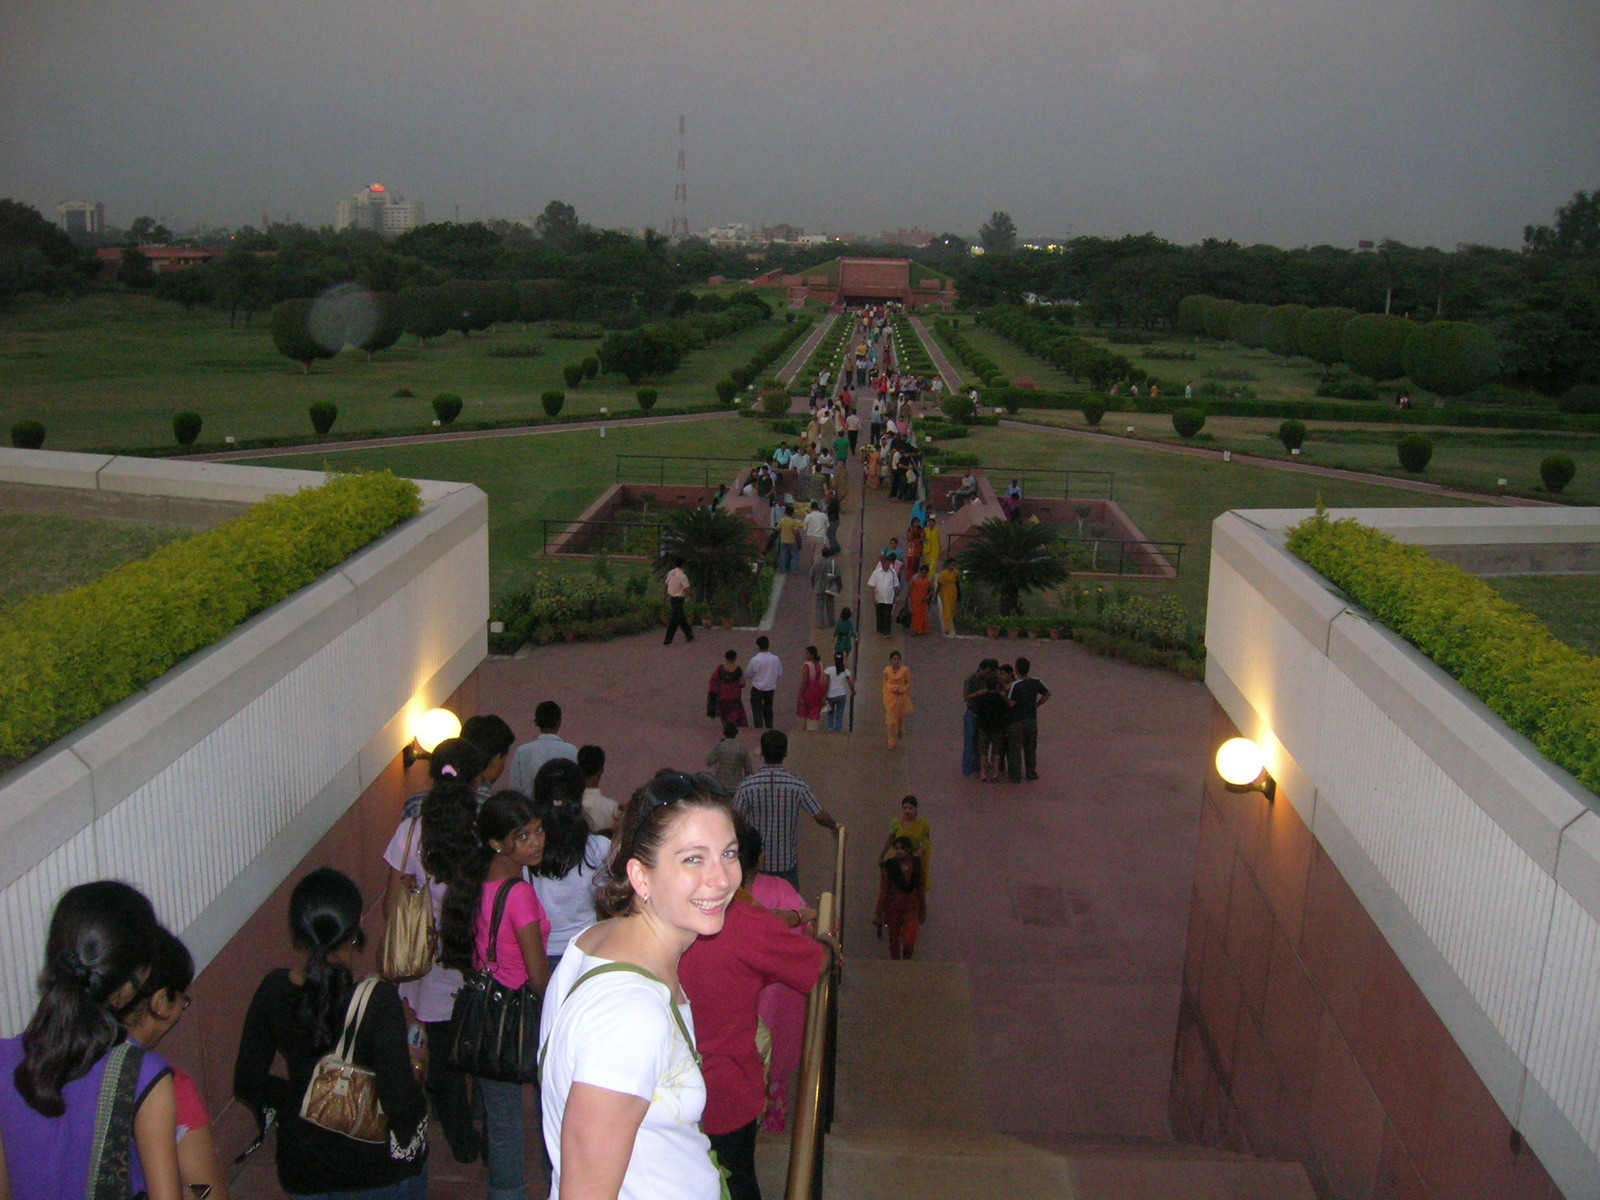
(909, 1123)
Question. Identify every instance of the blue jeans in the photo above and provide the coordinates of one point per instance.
(788, 557)
(836, 713)
(502, 1150)
(969, 743)
(415, 1188)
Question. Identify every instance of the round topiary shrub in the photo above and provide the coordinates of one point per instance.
(647, 398)
(552, 401)
(959, 409)
(1415, 450)
(727, 389)
(1374, 344)
(1188, 421)
(572, 374)
(1582, 399)
(999, 383)
(775, 402)
(1557, 471)
(186, 427)
(1292, 434)
(27, 435)
(1093, 410)
(591, 366)
(447, 407)
(1451, 357)
(1319, 332)
(323, 414)
(742, 377)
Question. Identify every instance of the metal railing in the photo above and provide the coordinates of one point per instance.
(623, 539)
(813, 1110)
(1108, 556)
(1044, 484)
(662, 469)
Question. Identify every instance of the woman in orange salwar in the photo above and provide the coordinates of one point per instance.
(921, 594)
(897, 704)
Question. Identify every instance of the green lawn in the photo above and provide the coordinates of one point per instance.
(554, 476)
(1569, 605)
(1175, 497)
(48, 552)
(109, 371)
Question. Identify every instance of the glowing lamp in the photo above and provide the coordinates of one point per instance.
(1244, 768)
(434, 726)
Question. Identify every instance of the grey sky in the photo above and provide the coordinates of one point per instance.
(1285, 121)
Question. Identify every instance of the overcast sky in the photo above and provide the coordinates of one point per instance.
(1285, 121)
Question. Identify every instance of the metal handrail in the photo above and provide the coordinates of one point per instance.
(554, 526)
(710, 468)
(813, 1110)
(1064, 478)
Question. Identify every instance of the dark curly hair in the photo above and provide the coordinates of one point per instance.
(558, 800)
(502, 815)
(446, 825)
(651, 813)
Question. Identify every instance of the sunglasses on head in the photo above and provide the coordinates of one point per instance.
(670, 787)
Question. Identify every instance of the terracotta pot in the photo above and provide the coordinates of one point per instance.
(1023, 633)
(569, 634)
(994, 631)
(1055, 635)
(727, 622)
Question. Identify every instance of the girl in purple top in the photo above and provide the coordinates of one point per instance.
(511, 839)
(101, 943)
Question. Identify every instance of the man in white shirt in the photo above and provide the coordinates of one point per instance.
(883, 583)
(530, 756)
(816, 530)
(599, 809)
(677, 594)
(763, 671)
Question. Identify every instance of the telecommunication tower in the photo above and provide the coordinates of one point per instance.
(680, 194)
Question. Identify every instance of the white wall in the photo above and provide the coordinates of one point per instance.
(1478, 860)
(206, 788)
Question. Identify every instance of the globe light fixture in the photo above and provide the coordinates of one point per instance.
(427, 731)
(1244, 768)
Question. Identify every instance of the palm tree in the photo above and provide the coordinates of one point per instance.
(718, 549)
(1012, 557)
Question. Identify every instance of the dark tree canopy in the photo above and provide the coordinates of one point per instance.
(1576, 231)
(999, 233)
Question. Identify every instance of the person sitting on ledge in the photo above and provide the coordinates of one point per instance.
(967, 490)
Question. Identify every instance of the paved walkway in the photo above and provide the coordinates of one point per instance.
(947, 370)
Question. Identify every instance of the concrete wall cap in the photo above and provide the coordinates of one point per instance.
(1450, 526)
(1306, 599)
(1578, 867)
(51, 468)
(203, 481)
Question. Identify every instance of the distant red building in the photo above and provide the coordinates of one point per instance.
(162, 258)
(866, 281)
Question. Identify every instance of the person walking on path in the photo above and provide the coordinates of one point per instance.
(728, 759)
(771, 799)
(844, 633)
(974, 686)
(841, 686)
(677, 596)
(826, 583)
(788, 541)
(902, 899)
(765, 671)
(726, 691)
(949, 584)
(897, 704)
(530, 756)
(921, 593)
(932, 544)
(815, 526)
(813, 689)
(835, 512)
(884, 583)
(909, 824)
(993, 712)
(1022, 734)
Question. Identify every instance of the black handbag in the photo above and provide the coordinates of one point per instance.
(496, 1027)
(111, 1152)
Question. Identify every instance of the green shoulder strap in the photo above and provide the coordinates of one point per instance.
(622, 966)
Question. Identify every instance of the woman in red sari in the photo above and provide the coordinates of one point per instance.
(921, 595)
(813, 689)
(913, 547)
(727, 685)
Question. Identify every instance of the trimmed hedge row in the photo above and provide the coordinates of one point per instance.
(1067, 352)
(65, 659)
(743, 377)
(1501, 653)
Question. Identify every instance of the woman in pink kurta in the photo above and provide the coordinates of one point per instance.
(781, 1008)
(813, 689)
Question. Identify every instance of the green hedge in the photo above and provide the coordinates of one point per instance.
(65, 659)
(1500, 653)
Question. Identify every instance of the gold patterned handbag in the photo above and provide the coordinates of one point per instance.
(410, 941)
(342, 1097)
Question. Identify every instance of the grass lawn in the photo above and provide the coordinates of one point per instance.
(527, 479)
(109, 371)
(1468, 458)
(1175, 497)
(46, 553)
(1569, 605)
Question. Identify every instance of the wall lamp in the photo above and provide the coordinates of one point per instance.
(432, 727)
(1244, 768)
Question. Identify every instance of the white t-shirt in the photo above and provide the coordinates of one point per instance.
(617, 1032)
(838, 682)
(569, 901)
(433, 996)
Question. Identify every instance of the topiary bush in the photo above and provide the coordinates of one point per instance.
(959, 408)
(1092, 411)
(323, 414)
(1557, 471)
(775, 402)
(572, 374)
(1451, 357)
(1582, 399)
(1374, 344)
(552, 401)
(186, 427)
(727, 389)
(591, 366)
(1292, 434)
(1281, 329)
(27, 435)
(1319, 333)
(647, 398)
(1415, 450)
(1188, 421)
(447, 407)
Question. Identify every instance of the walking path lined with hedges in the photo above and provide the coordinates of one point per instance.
(807, 348)
(952, 377)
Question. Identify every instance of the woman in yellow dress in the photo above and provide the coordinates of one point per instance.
(932, 543)
(897, 704)
(949, 592)
(909, 825)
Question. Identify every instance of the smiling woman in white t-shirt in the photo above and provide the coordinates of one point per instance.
(621, 1081)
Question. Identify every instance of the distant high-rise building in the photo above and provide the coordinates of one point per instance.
(379, 210)
(77, 218)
